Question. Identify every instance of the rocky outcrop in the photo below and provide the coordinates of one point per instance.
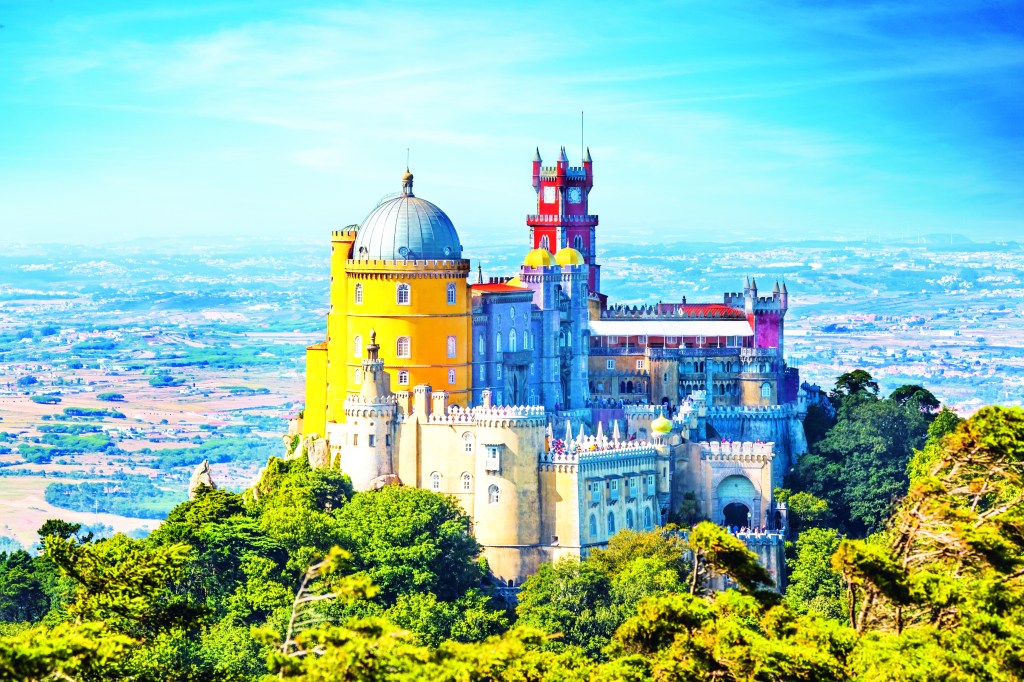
(200, 478)
(317, 453)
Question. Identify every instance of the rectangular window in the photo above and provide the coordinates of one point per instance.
(641, 364)
(613, 340)
(403, 378)
(373, 440)
(483, 372)
(642, 340)
(498, 371)
(492, 462)
(609, 364)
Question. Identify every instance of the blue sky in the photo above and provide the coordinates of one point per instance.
(706, 119)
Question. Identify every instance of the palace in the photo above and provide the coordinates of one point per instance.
(554, 418)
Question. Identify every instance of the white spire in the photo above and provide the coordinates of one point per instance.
(615, 431)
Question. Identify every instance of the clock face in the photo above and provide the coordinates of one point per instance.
(575, 195)
(549, 195)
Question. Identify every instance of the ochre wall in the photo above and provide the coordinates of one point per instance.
(427, 320)
(315, 414)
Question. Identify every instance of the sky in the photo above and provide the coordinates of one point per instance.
(707, 120)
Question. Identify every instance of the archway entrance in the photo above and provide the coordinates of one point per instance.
(736, 514)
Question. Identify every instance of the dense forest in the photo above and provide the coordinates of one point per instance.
(907, 564)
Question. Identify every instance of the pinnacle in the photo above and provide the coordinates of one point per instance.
(536, 155)
(586, 157)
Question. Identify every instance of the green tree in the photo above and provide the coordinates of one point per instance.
(925, 399)
(22, 597)
(856, 383)
(411, 540)
(814, 586)
(860, 467)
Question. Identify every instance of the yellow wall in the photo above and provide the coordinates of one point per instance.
(427, 320)
(337, 326)
(315, 415)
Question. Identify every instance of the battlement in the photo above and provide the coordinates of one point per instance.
(511, 415)
(673, 311)
(405, 268)
(750, 410)
(595, 449)
(589, 220)
(344, 235)
(745, 451)
(571, 173)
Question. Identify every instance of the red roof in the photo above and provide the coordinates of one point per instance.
(498, 288)
(712, 310)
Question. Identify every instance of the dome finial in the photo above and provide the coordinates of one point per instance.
(407, 182)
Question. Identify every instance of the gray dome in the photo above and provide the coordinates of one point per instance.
(406, 227)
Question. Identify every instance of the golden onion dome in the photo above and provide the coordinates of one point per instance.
(538, 258)
(569, 256)
(661, 425)
(515, 282)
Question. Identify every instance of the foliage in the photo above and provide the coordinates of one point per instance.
(46, 399)
(925, 399)
(165, 381)
(857, 383)
(110, 397)
(859, 467)
(411, 540)
(216, 451)
(814, 586)
(135, 498)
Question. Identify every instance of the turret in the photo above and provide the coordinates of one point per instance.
(563, 167)
(784, 297)
(588, 166)
(536, 170)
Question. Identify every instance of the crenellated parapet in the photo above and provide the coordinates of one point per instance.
(737, 451)
(497, 416)
(674, 311)
(595, 449)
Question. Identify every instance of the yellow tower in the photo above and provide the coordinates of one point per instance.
(402, 275)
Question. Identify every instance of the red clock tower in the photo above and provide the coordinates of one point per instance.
(562, 218)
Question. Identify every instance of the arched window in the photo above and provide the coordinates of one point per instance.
(467, 482)
(629, 519)
(435, 481)
(481, 344)
(359, 376)
(647, 518)
(483, 372)
(357, 346)
(403, 294)
(545, 244)
(451, 293)
(402, 348)
(526, 340)
(512, 341)
(492, 494)
(467, 442)
(766, 390)
(497, 371)
(403, 378)
(577, 243)
(593, 526)
(359, 294)
(497, 343)
(451, 347)
(451, 376)
(611, 523)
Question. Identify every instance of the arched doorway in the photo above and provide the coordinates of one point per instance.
(736, 514)
(738, 501)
